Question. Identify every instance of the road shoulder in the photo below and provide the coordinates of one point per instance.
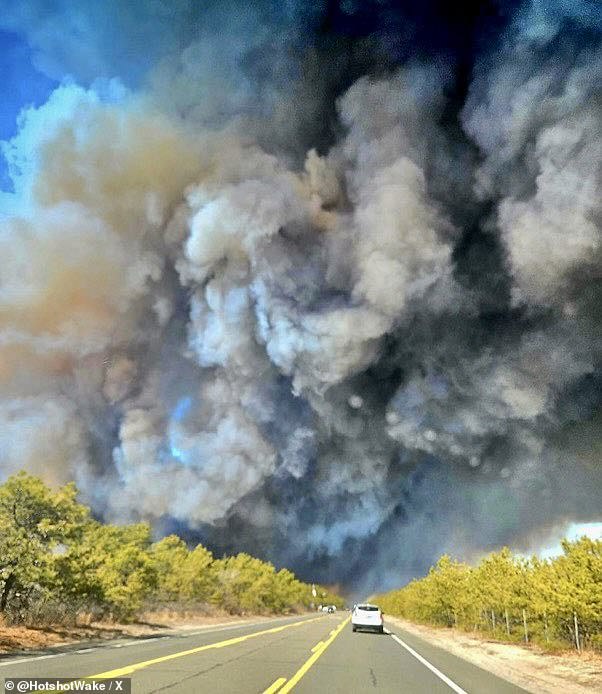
(17, 640)
(534, 671)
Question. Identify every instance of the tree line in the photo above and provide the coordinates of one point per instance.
(554, 602)
(56, 562)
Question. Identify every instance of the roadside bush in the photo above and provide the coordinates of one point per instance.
(556, 603)
(59, 566)
(42, 609)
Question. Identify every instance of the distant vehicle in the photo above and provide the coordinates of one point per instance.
(329, 608)
(366, 616)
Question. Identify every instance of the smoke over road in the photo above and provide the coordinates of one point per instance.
(312, 281)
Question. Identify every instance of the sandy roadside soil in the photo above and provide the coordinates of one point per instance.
(529, 668)
(20, 638)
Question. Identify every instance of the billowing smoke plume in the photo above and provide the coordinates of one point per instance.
(313, 282)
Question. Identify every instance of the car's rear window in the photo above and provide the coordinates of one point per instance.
(367, 608)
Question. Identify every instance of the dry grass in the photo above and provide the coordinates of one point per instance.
(27, 637)
(86, 628)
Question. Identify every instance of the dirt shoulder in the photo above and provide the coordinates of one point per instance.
(528, 667)
(14, 639)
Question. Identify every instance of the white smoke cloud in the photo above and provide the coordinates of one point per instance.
(555, 233)
(400, 245)
(119, 377)
(67, 280)
(198, 323)
(42, 434)
(537, 120)
(194, 465)
(455, 414)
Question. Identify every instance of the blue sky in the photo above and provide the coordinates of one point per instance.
(21, 85)
(572, 532)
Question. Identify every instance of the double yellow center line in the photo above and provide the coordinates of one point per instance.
(317, 651)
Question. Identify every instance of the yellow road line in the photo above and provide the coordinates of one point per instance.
(276, 686)
(312, 659)
(129, 669)
(318, 646)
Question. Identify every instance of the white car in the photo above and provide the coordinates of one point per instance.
(366, 616)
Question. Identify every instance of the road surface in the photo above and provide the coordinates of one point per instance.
(305, 654)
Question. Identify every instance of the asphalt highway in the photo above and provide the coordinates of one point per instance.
(305, 654)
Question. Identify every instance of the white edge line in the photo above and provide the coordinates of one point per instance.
(153, 638)
(35, 657)
(432, 668)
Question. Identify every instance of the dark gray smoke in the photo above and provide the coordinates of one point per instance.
(319, 283)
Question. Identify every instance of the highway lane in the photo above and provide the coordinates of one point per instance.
(309, 654)
(367, 662)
